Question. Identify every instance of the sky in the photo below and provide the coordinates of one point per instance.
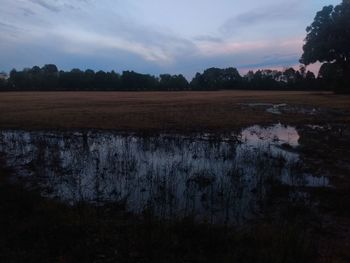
(154, 36)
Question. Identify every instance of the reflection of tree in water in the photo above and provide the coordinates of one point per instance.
(211, 179)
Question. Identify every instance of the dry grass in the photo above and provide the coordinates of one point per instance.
(149, 111)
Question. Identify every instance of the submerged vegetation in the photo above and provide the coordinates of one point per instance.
(43, 230)
(212, 179)
(274, 180)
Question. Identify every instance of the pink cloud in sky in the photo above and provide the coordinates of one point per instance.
(266, 46)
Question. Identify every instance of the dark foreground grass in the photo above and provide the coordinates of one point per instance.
(34, 229)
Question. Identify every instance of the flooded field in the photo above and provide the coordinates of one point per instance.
(217, 179)
(148, 177)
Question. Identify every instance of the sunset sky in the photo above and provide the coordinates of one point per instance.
(154, 36)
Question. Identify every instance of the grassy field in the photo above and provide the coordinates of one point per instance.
(170, 111)
(36, 229)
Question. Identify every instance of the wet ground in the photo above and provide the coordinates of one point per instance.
(217, 179)
(284, 108)
(260, 193)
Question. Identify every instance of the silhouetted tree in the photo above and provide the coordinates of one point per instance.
(3, 82)
(49, 78)
(330, 74)
(310, 76)
(89, 76)
(18, 79)
(290, 76)
(216, 78)
(328, 40)
(131, 80)
(173, 82)
(263, 79)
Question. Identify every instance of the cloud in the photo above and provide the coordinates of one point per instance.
(49, 5)
(208, 38)
(89, 27)
(261, 46)
(27, 11)
(57, 6)
(79, 41)
(8, 26)
(261, 15)
(9, 32)
(109, 34)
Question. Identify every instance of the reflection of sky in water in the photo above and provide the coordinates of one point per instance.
(277, 134)
(217, 180)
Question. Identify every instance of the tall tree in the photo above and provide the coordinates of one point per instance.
(328, 39)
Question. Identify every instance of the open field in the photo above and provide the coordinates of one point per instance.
(170, 111)
(41, 144)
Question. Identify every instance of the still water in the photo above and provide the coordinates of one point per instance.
(216, 179)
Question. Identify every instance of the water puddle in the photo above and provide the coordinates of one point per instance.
(284, 108)
(215, 179)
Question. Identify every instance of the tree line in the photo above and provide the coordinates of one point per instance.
(49, 78)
